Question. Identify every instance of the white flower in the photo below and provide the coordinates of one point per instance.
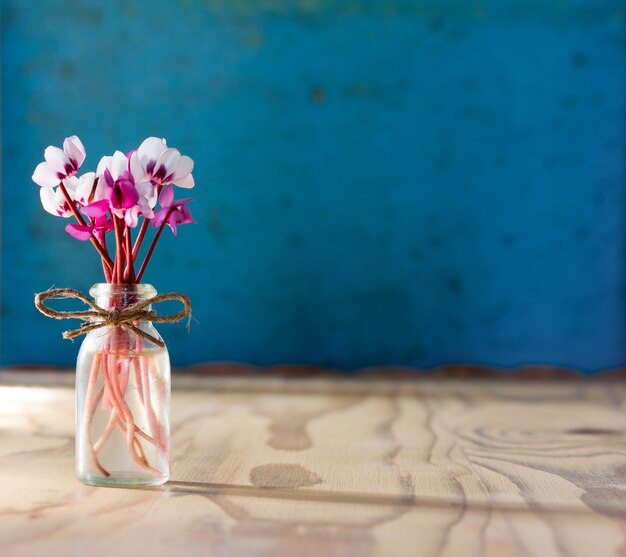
(60, 163)
(54, 201)
(125, 184)
(164, 165)
(116, 165)
(89, 188)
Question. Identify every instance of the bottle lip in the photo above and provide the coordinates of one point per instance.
(142, 290)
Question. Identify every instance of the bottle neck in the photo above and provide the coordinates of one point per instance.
(121, 296)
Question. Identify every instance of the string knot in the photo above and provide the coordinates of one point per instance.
(98, 317)
(114, 316)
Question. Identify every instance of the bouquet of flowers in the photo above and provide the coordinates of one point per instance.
(123, 372)
(124, 190)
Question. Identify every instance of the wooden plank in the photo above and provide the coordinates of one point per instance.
(319, 467)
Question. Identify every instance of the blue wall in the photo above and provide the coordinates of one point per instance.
(402, 182)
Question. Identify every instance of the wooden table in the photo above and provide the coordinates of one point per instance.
(320, 467)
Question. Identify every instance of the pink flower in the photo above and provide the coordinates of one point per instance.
(98, 228)
(99, 223)
(172, 212)
(60, 163)
(96, 209)
(163, 165)
(129, 193)
(121, 192)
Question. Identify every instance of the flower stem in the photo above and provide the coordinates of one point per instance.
(119, 250)
(143, 230)
(123, 411)
(90, 408)
(153, 245)
(140, 237)
(105, 268)
(103, 253)
(129, 273)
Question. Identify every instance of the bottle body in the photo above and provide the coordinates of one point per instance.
(122, 399)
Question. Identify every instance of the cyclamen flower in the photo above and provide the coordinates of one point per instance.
(123, 190)
(97, 209)
(60, 163)
(89, 188)
(164, 165)
(99, 225)
(129, 194)
(98, 228)
(55, 203)
(172, 212)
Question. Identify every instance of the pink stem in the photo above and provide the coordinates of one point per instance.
(90, 410)
(101, 250)
(138, 381)
(119, 247)
(133, 445)
(123, 373)
(142, 232)
(105, 268)
(142, 380)
(153, 245)
(154, 427)
(140, 237)
(129, 273)
(107, 432)
(118, 404)
(116, 421)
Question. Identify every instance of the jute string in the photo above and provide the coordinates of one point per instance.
(98, 317)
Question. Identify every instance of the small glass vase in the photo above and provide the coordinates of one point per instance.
(122, 399)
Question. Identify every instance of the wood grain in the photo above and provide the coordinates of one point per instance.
(303, 467)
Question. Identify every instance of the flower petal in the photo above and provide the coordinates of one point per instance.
(83, 186)
(128, 191)
(79, 231)
(110, 182)
(119, 164)
(186, 182)
(45, 177)
(184, 168)
(75, 150)
(104, 164)
(175, 218)
(136, 169)
(159, 216)
(103, 223)
(54, 202)
(47, 200)
(131, 217)
(97, 209)
(58, 160)
(167, 196)
(166, 165)
(187, 218)
(149, 152)
(147, 191)
(181, 202)
(71, 185)
(145, 208)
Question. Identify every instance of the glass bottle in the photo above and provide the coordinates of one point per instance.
(122, 398)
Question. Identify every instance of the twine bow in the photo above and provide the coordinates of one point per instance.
(99, 317)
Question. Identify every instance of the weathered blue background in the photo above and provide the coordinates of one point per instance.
(403, 182)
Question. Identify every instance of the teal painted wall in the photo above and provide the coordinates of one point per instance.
(378, 182)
